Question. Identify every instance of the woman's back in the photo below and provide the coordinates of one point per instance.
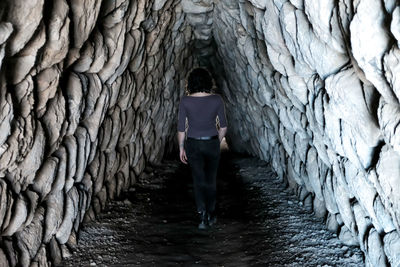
(201, 112)
(201, 109)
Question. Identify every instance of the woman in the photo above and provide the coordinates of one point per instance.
(202, 148)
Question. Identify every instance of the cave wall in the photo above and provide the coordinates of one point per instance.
(313, 87)
(89, 93)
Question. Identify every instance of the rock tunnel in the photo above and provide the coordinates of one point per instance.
(90, 92)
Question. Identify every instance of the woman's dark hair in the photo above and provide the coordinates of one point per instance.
(199, 80)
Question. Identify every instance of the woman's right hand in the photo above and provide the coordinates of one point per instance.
(182, 155)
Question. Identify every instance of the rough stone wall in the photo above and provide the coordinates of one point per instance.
(313, 87)
(88, 96)
(89, 93)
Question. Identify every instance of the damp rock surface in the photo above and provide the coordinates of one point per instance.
(259, 223)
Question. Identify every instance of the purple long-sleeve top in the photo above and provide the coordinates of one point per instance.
(201, 112)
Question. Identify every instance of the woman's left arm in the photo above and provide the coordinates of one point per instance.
(182, 152)
(181, 132)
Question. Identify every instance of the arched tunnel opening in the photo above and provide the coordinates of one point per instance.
(89, 94)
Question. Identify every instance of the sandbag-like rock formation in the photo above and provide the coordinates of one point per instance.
(89, 92)
(313, 87)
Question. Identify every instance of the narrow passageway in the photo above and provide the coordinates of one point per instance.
(260, 223)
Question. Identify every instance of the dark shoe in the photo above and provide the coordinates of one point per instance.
(203, 220)
(211, 218)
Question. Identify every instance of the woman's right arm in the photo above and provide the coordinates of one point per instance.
(221, 133)
(222, 120)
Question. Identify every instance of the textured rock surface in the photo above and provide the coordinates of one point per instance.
(89, 92)
(84, 105)
(313, 88)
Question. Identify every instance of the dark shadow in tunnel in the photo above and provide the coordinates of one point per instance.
(260, 223)
(173, 237)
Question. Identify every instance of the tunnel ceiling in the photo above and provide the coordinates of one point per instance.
(89, 93)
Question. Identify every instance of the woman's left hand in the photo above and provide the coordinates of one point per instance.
(182, 155)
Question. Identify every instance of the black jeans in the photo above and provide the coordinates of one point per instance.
(203, 157)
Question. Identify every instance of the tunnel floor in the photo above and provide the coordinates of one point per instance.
(260, 223)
